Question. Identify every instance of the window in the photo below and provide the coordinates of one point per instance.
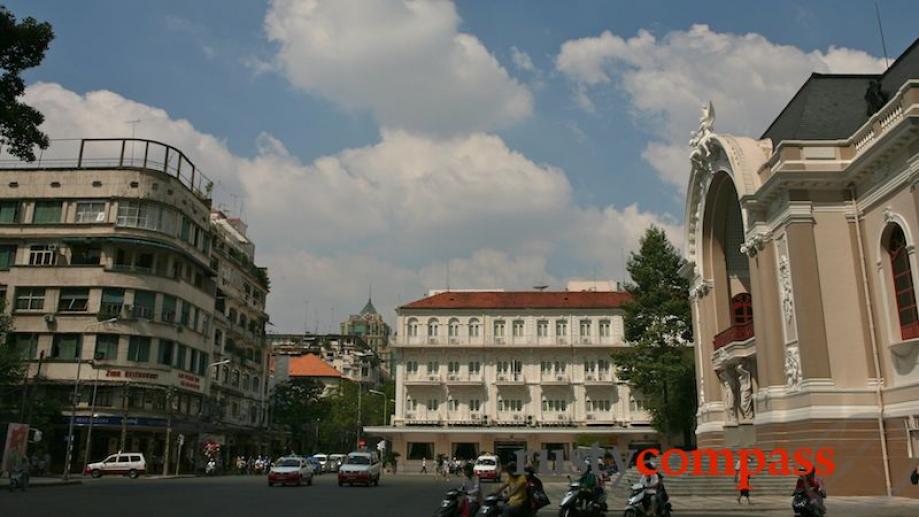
(9, 212)
(474, 405)
(169, 309)
(432, 328)
(433, 404)
(85, 255)
(503, 366)
(510, 405)
(545, 367)
(903, 283)
(433, 366)
(144, 304)
(604, 328)
(561, 328)
(106, 347)
(42, 255)
(558, 406)
(517, 328)
(636, 405)
(474, 327)
(73, 299)
(47, 212)
(90, 212)
(165, 357)
(420, 451)
(7, 256)
(30, 298)
(411, 404)
(203, 362)
(26, 345)
(585, 328)
(112, 302)
(139, 349)
(475, 367)
(598, 405)
(590, 367)
(453, 367)
(411, 367)
(146, 215)
(181, 353)
(452, 405)
(499, 329)
(235, 378)
(453, 329)
(185, 317)
(542, 328)
(65, 346)
(255, 383)
(741, 309)
(412, 328)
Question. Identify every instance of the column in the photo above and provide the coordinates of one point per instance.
(767, 317)
(808, 301)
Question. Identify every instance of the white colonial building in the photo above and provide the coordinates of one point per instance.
(495, 371)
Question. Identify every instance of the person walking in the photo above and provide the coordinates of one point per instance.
(744, 478)
(424, 465)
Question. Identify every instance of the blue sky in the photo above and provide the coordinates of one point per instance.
(563, 146)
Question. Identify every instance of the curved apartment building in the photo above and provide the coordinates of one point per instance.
(108, 268)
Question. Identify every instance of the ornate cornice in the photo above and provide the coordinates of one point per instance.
(755, 243)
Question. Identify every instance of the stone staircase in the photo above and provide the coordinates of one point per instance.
(692, 485)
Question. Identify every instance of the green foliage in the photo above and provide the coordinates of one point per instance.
(12, 367)
(22, 46)
(658, 326)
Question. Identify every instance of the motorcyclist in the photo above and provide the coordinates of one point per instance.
(535, 490)
(516, 486)
(651, 484)
(812, 487)
(473, 491)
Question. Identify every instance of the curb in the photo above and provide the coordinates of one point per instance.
(50, 484)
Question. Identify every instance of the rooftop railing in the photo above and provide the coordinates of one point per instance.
(115, 153)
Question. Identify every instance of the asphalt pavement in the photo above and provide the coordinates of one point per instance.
(402, 495)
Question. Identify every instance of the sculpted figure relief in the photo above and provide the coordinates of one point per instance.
(745, 384)
(727, 396)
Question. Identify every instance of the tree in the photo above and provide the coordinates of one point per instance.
(22, 46)
(298, 405)
(12, 367)
(658, 326)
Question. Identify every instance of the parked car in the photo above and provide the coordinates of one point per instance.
(360, 468)
(290, 470)
(336, 461)
(323, 460)
(487, 467)
(314, 463)
(131, 464)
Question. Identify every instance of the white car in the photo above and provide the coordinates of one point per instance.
(360, 468)
(290, 470)
(323, 460)
(336, 461)
(131, 464)
(487, 467)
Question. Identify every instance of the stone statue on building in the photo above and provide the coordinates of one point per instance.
(875, 97)
(727, 396)
(745, 387)
(699, 143)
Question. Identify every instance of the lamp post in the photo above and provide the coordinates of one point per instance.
(92, 412)
(76, 396)
(170, 393)
(385, 401)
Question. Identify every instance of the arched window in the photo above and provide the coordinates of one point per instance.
(432, 327)
(474, 327)
(903, 283)
(741, 309)
(453, 328)
(413, 328)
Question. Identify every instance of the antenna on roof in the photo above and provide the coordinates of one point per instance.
(877, 11)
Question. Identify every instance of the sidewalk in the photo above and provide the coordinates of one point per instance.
(38, 482)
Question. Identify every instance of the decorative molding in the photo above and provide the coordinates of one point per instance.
(701, 289)
(792, 367)
(788, 303)
(755, 243)
(700, 143)
(776, 416)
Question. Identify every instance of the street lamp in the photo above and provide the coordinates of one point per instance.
(98, 356)
(362, 357)
(76, 395)
(385, 401)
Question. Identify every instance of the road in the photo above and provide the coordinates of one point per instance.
(232, 496)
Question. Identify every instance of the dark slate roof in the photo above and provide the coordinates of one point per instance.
(369, 308)
(832, 106)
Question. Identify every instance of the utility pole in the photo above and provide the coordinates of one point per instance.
(125, 390)
(169, 396)
(92, 418)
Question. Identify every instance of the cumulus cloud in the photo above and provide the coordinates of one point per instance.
(406, 62)
(394, 213)
(667, 80)
(522, 60)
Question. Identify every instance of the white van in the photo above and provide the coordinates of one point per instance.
(131, 464)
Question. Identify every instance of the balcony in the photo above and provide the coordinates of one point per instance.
(735, 334)
(509, 379)
(463, 380)
(556, 379)
(598, 379)
(423, 380)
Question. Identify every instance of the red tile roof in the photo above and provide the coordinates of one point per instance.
(521, 300)
(310, 365)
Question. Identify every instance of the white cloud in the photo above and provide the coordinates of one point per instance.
(667, 80)
(404, 61)
(393, 213)
(522, 60)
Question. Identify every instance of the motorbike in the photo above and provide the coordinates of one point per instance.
(639, 504)
(452, 504)
(19, 478)
(800, 503)
(582, 501)
(493, 506)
